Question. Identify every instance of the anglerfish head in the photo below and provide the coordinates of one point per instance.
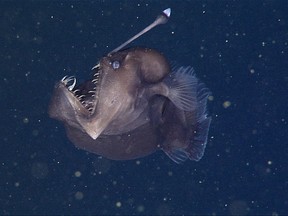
(114, 100)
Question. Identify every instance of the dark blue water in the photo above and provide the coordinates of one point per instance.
(238, 48)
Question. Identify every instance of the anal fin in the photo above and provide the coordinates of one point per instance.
(177, 155)
(196, 146)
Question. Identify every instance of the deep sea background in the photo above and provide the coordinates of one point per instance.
(238, 49)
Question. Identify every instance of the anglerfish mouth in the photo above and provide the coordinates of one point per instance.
(86, 93)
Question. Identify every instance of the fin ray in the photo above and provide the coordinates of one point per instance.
(198, 143)
(182, 85)
(177, 155)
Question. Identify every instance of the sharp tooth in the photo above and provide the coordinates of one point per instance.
(71, 87)
(96, 66)
(63, 79)
(67, 80)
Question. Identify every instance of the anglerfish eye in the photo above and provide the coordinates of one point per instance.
(115, 64)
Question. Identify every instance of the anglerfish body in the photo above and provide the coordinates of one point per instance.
(134, 105)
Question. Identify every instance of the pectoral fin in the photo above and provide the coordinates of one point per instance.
(182, 84)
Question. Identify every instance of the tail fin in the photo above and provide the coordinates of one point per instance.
(197, 145)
